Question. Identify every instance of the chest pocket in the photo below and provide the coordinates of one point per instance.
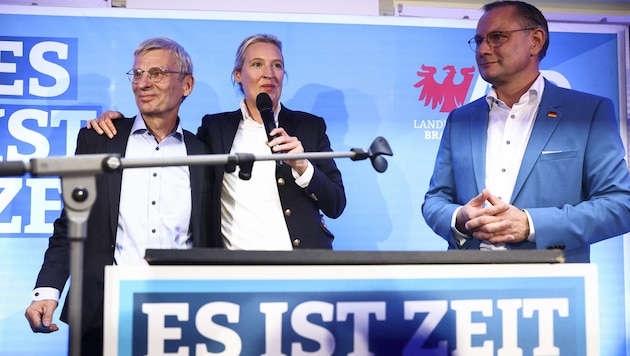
(556, 155)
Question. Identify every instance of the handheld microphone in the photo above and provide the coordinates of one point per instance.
(265, 107)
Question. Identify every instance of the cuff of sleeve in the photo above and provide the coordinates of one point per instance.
(458, 236)
(532, 231)
(305, 179)
(42, 293)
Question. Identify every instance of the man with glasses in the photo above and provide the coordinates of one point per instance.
(160, 207)
(530, 165)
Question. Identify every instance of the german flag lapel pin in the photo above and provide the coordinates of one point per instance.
(552, 114)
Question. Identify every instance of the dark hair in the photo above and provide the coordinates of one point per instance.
(530, 16)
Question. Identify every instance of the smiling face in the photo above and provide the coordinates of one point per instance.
(516, 59)
(263, 71)
(161, 99)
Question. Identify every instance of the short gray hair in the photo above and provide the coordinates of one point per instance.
(184, 62)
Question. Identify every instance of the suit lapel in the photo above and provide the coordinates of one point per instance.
(285, 120)
(229, 126)
(478, 138)
(548, 116)
(194, 147)
(118, 144)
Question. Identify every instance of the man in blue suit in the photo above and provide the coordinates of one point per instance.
(531, 165)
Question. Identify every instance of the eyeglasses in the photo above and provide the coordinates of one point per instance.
(494, 39)
(155, 74)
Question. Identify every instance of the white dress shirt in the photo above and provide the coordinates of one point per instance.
(251, 213)
(155, 203)
(508, 133)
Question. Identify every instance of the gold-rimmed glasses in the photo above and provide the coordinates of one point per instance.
(155, 74)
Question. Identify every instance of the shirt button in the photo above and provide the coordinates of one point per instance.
(503, 170)
(153, 231)
(513, 117)
(508, 142)
(155, 174)
(157, 148)
(153, 202)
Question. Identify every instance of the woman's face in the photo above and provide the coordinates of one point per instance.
(263, 71)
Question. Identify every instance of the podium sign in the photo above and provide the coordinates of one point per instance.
(464, 309)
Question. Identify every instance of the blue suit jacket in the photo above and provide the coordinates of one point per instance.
(103, 222)
(301, 206)
(573, 179)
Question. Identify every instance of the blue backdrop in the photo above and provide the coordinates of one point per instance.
(367, 76)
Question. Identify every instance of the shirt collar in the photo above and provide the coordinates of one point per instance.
(140, 127)
(533, 95)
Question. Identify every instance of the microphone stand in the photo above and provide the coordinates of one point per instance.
(78, 186)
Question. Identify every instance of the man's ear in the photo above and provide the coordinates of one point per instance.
(189, 84)
(538, 40)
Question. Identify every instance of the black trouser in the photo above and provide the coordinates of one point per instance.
(92, 338)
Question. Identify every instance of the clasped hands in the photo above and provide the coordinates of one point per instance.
(486, 217)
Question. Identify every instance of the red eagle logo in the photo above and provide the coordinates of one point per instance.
(448, 94)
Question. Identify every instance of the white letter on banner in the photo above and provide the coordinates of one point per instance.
(9, 189)
(39, 204)
(19, 132)
(465, 328)
(435, 309)
(157, 333)
(61, 75)
(545, 308)
(509, 312)
(73, 124)
(17, 88)
(219, 333)
(361, 312)
(273, 327)
(319, 334)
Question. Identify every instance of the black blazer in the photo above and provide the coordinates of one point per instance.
(103, 221)
(301, 207)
